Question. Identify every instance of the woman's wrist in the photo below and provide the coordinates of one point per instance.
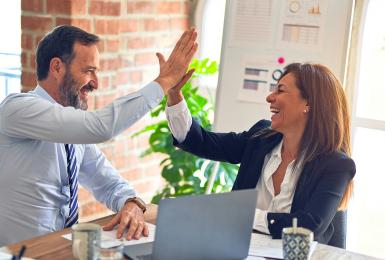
(174, 98)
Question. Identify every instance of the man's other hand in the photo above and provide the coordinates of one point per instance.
(130, 217)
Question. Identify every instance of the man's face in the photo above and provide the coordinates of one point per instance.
(80, 77)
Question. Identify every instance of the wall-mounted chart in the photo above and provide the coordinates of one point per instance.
(261, 37)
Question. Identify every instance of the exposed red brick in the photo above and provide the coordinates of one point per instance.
(28, 79)
(168, 7)
(179, 23)
(140, 42)
(104, 8)
(137, 127)
(136, 76)
(128, 25)
(32, 5)
(130, 143)
(101, 46)
(104, 82)
(153, 171)
(112, 45)
(119, 161)
(26, 41)
(91, 208)
(104, 100)
(66, 7)
(185, 8)
(146, 186)
(84, 24)
(84, 195)
(110, 64)
(91, 103)
(122, 78)
(38, 38)
(103, 26)
(24, 59)
(132, 160)
(145, 58)
(108, 152)
(132, 174)
(156, 24)
(130, 7)
(120, 146)
(36, 23)
(143, 7)
(143, 141)
(32, 61)
(166, 41)
(128, 61)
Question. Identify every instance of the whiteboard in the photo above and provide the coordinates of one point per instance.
(260, 37)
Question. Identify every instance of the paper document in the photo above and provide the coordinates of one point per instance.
(109, 239)
(6, 256)
(265, 246)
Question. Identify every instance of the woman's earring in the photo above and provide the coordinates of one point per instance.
(306, 110)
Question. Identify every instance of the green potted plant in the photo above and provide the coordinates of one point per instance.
(186, 174)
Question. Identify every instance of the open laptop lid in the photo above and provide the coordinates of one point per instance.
(216, 226)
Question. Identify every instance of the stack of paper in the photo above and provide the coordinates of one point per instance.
(109, 239)
(265, 246)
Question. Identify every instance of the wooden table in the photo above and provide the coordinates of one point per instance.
(54, 246)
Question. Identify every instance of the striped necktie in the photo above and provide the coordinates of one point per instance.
(72, 170)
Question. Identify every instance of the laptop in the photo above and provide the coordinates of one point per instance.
(216, 226)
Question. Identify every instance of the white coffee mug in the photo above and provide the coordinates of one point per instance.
(86, 241)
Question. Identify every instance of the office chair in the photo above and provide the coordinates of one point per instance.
(340, 225)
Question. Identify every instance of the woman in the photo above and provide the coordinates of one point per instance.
(298, 162)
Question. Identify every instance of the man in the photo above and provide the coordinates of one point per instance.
(47, 138)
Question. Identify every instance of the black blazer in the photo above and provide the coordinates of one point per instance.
(320, 186)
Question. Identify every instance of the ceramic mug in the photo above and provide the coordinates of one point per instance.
(296, 243)
(86, 241)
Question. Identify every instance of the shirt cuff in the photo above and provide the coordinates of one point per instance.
(260, 221)
(179, 120)
(177, 109)
(153, 93)
(122, 201)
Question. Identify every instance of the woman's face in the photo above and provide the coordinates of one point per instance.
(288, 107)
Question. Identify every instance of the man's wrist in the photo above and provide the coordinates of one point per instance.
(164, 84)
(139, 202)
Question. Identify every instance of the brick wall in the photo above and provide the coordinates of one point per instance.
(131, 31)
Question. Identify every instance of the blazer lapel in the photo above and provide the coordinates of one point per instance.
(302, 185)
(262, 147)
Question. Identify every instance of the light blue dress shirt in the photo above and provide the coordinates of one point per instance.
(34, 191)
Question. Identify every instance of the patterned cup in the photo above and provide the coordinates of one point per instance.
(296, 243)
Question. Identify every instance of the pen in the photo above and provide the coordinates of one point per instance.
(21, 253)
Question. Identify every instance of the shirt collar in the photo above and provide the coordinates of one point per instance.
(40, 91)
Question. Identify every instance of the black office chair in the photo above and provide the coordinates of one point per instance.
(340, 225)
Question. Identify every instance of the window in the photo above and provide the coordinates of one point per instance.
(366, 228)
(211, 16)
(10, 48)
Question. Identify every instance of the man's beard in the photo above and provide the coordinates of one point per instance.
(69, 94)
